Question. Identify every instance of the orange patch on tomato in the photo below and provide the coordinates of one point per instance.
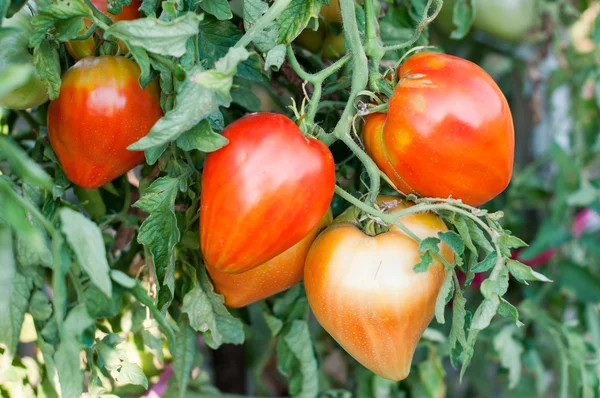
(436, 62)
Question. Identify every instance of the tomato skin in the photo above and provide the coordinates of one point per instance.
(276, 275)
(101, 109)
(332, 13)
(364, 292)
(507, 19)
(263, 192)
(448, 131)
(312, 40)
(86, 48)
(14, 50)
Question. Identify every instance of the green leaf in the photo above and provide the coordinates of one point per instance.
(202, 138)
(98, 305)
(46, 63)
(524, 273)
(267, 38)
(15, 290)
(509, 350)
(154, 35)
(444, 296)
(507, 242)
(296, 360)
(130, 373)
(463, 229)
(429, 244)
(208, 314)
(70, 373)
(220, 79)
(85, 238)
(183, 354)
(159, 232)
(508, 310)
(22, 166)
(149, 7)
(39, 306)
(477, 235)
(457, 333)
(44, 21)
(219, 8)
(454, 241)
(141, 58)
(294, 19)
(122, 279)
(194, 103)
(488, 263)
(214, 41)
(492, 290)
(275, 57)
(425, 260)
(463, 16)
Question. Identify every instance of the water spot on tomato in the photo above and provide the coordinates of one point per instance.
(419, 103)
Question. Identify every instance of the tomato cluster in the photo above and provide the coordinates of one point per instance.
(266, 195)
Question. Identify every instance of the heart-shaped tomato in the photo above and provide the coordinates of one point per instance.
(263, 192)
(364, 292)
(448, 131)
(100, 111)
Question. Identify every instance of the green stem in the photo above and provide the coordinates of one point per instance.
(29, 119)
(274, 11)
(317, 80)
(417, 33)
(88, 33)
(359, 83)
(140, 294)
(77, 285)
(373, 46)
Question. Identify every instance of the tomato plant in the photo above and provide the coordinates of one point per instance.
(164, 207)
(101, 109)
(436, 130)
(262, 193)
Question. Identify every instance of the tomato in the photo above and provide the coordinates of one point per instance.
(276, 275)
(312, 40)
(86, 48)
(448, 131)
(332, 12)
(334, 45)
(507, 19)
(101, 109)
(364, 292)
(14, 51)
(263, 192)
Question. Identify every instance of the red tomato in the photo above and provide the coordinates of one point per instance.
(86, 48)
(448, 131)
(101, 109)
(263, 192)
(364, 292)
(274, 276)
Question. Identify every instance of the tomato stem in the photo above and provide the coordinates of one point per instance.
(100, 19)
(274, 11)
